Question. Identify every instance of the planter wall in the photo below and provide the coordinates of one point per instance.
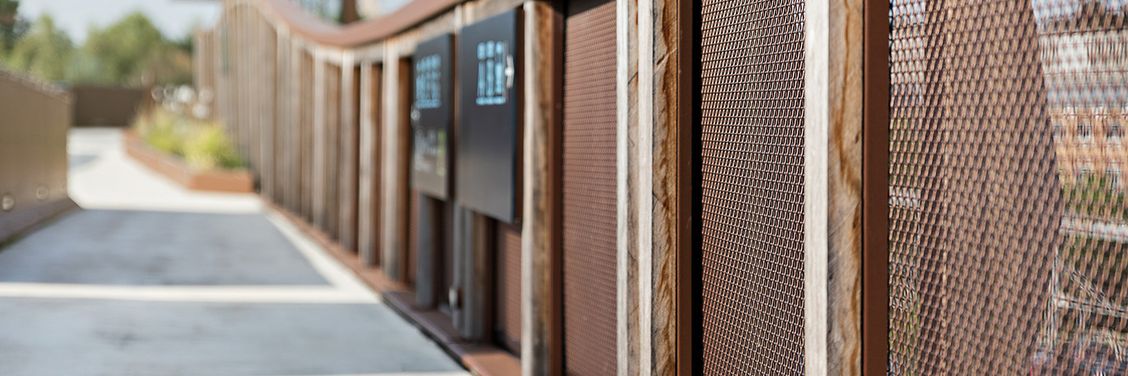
(235, 181)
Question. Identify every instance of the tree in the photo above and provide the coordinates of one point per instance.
(44, 52)
(130, 52)
(122, 52)
(12, 26)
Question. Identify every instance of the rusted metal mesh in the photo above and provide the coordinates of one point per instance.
(588, 188)
(508, 286)
(1008, 224)
(751, 125)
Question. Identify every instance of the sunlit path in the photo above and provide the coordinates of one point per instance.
(150, 279)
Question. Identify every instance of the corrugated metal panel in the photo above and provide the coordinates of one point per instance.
(1007, 223)
(751, 163)
(588, 193)
(508, 285)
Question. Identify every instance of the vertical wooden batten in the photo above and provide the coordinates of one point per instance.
(370, 163)
(662, 186)
(347, 146)
(319, 140)
(540, 335)
(627, 288)
(833, 186)
(396, 145)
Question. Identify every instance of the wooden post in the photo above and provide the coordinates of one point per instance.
(832, 191)
(266, 121)
(430, 240)
(370, 139)
(319, 140)
(540, 308)
(347, 164)
(472, 295)
(658, 189)
(349, 12)
(396, 145)
(627, 289)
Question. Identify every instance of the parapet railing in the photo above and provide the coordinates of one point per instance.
(33, 153)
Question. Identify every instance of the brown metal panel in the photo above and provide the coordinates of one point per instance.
(1007, 237)
(588, 189)
(508, 287)
(751, 187)
(875, 190)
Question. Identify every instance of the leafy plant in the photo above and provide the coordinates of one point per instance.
(204, 145)
(209, 148)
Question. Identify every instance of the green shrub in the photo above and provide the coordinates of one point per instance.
(204, 145)
(209, 148)
(161, 130)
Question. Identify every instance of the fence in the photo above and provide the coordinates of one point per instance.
(708, 187)
(107, 106)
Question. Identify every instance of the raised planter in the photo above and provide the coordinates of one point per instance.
(237, 181)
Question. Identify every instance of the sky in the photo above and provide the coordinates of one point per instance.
(175, 18)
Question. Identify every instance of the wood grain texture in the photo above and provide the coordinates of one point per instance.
(348, 150)
(659, 30)
(395, 144)
(541, 23)
(371, 165)
(844, 174)
(833, 187)
(627, 309)
(317, 207)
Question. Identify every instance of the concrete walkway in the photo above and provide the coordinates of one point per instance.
(150, 279)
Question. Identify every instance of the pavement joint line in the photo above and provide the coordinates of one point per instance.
(216, 294)
(329, 268)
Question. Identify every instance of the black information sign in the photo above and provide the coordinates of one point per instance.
(431, 111)
(489, 70)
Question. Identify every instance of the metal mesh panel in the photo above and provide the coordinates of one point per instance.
(751, 125)
(1008, 225)
(508, 285)
(588, 174)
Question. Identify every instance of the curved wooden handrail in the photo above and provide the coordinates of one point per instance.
(363, 32)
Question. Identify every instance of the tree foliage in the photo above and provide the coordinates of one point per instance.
(129, 52)
(12, 26)
(44, 52)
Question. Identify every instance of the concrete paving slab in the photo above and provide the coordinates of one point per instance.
(66, 337)
(152, 279)
(135, 247)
